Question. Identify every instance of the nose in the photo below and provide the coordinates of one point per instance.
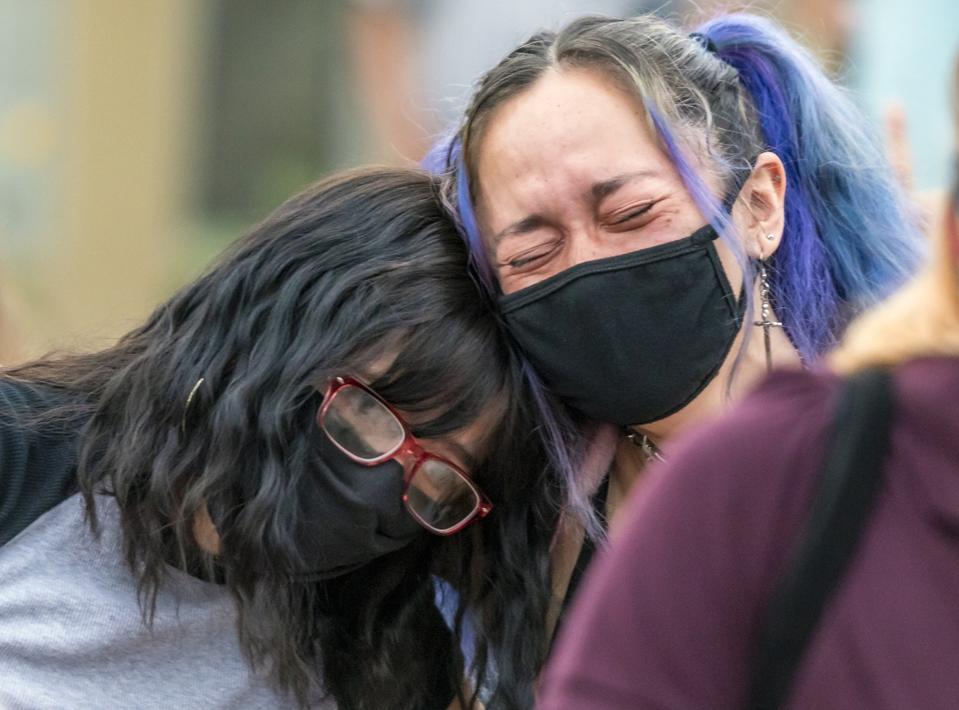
(587, 243)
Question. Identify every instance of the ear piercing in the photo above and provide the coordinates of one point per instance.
(765, 311)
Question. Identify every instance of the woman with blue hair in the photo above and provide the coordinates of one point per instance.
(662, 218)
(801, 552)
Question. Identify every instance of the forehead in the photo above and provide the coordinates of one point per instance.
(440, 390)
(467, 445)
(571, 124)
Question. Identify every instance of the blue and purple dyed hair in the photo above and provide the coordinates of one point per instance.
(715, 100)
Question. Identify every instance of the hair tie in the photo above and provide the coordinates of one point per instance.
(704, 41)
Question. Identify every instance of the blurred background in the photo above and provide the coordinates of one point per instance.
(138, 137)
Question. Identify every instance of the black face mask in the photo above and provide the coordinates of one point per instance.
(350, 514)
(633, 338)
(347, 514)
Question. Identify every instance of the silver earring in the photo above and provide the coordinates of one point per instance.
(189, 400)
(765, 311)
(770, 237)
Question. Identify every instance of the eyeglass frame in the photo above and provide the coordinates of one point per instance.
(409, 453)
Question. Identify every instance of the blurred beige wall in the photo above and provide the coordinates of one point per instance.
(137, 137)
(124, 76)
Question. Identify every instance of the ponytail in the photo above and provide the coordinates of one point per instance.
(849, 236)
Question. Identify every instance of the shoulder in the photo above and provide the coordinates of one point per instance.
(18, 395)
(19, 400)
(37, 459)
(671, 608)
(738, 490)
(22, 405)
(778, 429)
(788, 405)
(775, 439)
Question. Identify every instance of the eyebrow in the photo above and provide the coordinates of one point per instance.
(606, 188)
(599, 191)
(524, 226)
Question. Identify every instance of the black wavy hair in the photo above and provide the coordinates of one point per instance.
(362, 266)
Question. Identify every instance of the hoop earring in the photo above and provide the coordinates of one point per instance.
(189, 400)
(765, 310)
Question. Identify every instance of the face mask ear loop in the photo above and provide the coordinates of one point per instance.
(765, 307)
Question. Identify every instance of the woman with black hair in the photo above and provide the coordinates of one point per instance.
(232, 506)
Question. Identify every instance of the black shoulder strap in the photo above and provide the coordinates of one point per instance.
(851, 477)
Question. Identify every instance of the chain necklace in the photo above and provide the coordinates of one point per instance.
(650, 451)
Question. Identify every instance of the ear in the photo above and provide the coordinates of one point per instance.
(759, 209)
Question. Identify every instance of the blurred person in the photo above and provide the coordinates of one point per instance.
(827, 27)
(415, 60)
(929, 203)
(922, 38)
(662, 218)
(233, 505)
(802, 552)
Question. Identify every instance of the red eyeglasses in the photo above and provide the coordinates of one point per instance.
(438, 494)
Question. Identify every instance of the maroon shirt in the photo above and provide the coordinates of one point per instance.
(670, 613)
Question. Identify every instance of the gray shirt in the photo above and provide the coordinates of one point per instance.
(72, 634)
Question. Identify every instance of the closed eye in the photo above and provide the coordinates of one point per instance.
(531, 256)
(629, 216)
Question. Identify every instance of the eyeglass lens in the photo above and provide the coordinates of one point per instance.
(439, 495)
(365, 428)
(361, 425)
